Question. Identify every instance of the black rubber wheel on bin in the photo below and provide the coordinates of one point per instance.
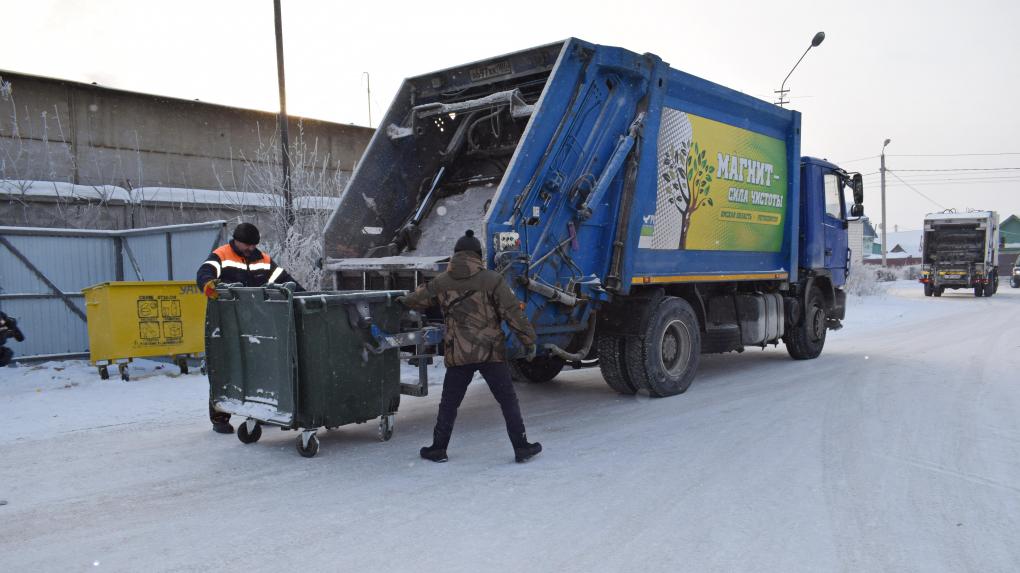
(311, 450)
(123, 369)
(245, 437)
(385, 429)
(104, 372)
(182, 364)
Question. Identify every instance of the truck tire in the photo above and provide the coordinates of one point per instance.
(664, 358)
(938, 291)
(541, 369)
(805, 341)
(928, 289)
(979, 290)
(613, 364)
(992, 287)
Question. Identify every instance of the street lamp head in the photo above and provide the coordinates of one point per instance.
(887, 142)
(817, 40)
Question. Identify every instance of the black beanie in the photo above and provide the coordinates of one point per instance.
(468, 243)
(247, 233)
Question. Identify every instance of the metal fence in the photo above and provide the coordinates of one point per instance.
(42, 273)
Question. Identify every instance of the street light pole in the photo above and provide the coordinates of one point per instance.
(782, 91)
(882, 171)
(368, 86)
(288, 208)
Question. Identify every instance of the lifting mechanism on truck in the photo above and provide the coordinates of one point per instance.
(642, 215)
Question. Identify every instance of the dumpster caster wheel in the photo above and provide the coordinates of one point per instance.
(182, 364)
(386, 424)
(123, 369)
(104, 373)
(308, 444)
(249, 432)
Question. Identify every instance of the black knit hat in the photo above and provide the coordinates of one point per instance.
(468, 243)
(247, 233)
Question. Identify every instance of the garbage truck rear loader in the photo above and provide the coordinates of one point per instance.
(960, 250)
(642, 215)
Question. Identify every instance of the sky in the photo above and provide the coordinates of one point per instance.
(939, 78)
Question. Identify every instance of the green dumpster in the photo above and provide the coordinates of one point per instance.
(304, 361)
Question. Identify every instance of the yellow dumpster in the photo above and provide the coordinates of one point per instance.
(136, 319)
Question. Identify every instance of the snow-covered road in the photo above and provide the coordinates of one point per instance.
(897, 450)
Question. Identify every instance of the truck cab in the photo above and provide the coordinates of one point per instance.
(825, 217)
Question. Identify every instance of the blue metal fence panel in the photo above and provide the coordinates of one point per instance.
(42, 273)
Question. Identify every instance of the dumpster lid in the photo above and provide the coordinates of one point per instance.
(398, 263)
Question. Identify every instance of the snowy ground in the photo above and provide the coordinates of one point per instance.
(897, 450)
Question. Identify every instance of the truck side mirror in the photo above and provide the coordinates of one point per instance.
(858, 185)
(857, 209)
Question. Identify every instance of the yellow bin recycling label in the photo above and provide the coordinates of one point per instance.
(135, 319)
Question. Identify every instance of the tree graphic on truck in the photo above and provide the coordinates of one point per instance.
(680, 166)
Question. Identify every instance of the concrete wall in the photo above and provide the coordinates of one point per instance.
(56, 130)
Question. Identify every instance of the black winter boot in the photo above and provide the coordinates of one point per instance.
(434, 454)
(437, 451)
(524, 451)
(222, 428)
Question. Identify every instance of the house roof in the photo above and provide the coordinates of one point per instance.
(908, 242)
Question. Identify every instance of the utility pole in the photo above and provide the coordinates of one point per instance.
(368, 84)
(288, 206)
(882, 171)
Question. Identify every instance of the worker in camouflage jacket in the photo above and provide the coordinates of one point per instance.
(475, 301)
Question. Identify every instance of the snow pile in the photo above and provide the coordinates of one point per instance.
(23, 188)
(178, 195)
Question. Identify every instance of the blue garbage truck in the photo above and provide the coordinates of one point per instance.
(642, 215)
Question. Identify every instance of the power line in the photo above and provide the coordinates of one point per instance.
(965, 169)
(916, 177)
(952, 154)
(911, 187)
(858, 159)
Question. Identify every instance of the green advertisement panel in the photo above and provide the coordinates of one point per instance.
(720, 188)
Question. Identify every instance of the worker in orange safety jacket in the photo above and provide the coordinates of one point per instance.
(239, 262)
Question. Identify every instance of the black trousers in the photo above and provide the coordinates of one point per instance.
(455, 384)
(217, 417)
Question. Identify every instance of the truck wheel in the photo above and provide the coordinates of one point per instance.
(928, 289)
(938, 291)
(613, 365)
(806, 340)
(992, 287)
(978, 290)
(541, 369)
(665, 358)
